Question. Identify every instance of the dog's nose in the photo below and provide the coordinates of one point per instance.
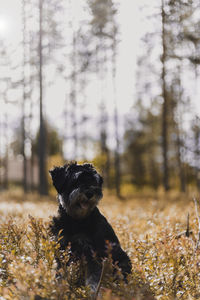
(89, 194)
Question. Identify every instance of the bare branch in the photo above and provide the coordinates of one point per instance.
(99, 283)
(198, 218)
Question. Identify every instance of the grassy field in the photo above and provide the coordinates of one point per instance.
(151, 228)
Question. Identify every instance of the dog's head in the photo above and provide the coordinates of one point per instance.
(79, 188)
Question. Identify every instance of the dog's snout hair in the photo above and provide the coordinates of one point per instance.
(80, 203)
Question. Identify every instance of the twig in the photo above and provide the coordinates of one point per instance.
(100, 279)
(198, 218)
(188, 232)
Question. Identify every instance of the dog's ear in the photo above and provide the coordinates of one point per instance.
(100, 180)
(88, 166)
(58, 175)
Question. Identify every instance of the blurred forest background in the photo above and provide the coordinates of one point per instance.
(67, 59)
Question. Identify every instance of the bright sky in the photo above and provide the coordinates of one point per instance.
(10, 19)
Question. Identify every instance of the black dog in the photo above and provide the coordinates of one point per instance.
(79, 190)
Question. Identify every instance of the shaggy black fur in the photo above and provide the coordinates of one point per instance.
(79, 190)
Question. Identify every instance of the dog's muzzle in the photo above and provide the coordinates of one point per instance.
(92, 191)
(81, 201)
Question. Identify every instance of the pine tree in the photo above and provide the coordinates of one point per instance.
(47, 30)
(165, 107)
(104, 31)
(24, 95)
(6, 80)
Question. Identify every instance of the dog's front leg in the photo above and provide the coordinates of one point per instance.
(93, 276)
(105, 234)
(121, 259)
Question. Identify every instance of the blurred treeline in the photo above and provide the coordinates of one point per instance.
(157, 144)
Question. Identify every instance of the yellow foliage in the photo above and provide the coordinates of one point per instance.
(100, 161)
(152, 231)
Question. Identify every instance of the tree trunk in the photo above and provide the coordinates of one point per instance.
(180, 163)
(116, 124)
(73, 97)
(43, 187)
(165, 105)
(101, 60)
(6, 148)
(1, 161)
(179, 142)
(24, 100)
(197, 152)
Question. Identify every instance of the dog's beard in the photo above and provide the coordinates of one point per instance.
(78, 205)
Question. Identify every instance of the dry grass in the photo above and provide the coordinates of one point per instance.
(151, 228)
